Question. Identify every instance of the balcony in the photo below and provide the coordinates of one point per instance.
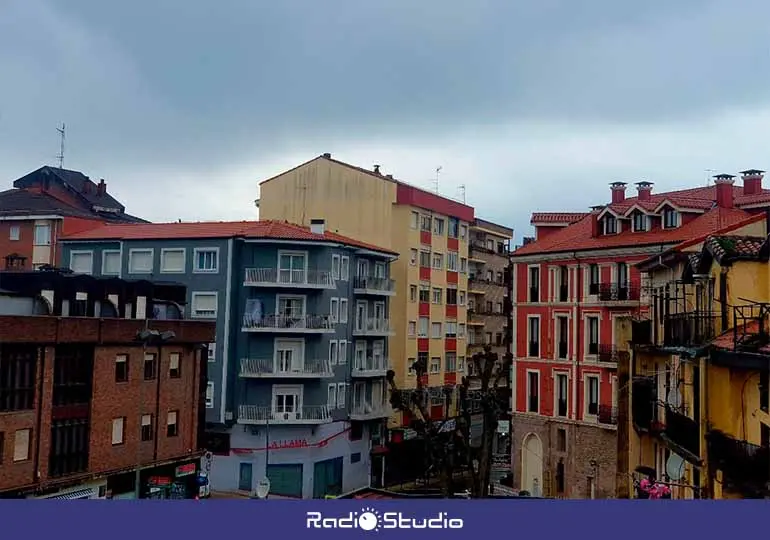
(480, 247)
(611, 355)
(607, 415)
(682, 431)
(689, 329)
(302, 324)
(641, 332)
(369, 411)
(375, 286)
(371, 366)
(745, 467)
(644, 407)
(373, 327)
(307, 415)
(259, 368)
(298, 279)
(618, 292)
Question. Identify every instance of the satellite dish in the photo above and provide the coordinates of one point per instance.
(263, 488)
(674, 398)
(675, 467)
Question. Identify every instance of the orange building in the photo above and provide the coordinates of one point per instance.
(429, 232)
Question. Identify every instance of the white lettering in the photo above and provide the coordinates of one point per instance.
(388, 520)
(312, 520)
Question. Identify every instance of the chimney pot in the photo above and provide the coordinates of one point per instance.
(752, 181)
(317, 226)
(644, 190)
(618, 192)
(327, 155)
(376, 169)
(101, 188)
(724, 187)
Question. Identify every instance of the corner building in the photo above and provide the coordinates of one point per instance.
(430, 233)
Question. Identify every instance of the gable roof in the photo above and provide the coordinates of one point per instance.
(275, 230)
(21, 202)
(75, 181)
(557, 218)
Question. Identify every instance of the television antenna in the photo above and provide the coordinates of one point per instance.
(709, 174)
(462, 192)
(435, 181)
(62, 136)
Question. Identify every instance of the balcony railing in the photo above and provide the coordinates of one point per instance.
(374, 285)
(311, 414)
(618, 292)
(689, 329)
(371, 366)
(593, 288)
(272, 277)
(373, 327)
(644, 407)
(482, 248)
(683, 430)
(607, 415)
(744, 466)
(272, 368)
(369, 411)
(318, 324)
(611, 355)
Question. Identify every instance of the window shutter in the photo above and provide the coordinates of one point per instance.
(171, 418)
(117, 430)
(21, 445)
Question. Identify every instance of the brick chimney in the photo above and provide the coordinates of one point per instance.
(752, 181)
(318, 226)
(618, 192)
(101, 187)
(724, 184)
(594, 224)
(643, 191)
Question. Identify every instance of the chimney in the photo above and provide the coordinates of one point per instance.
(643, 191)
(618, 192)
(101, 187)
(376, 169)
(317, 226)
(327, 155)
(594, 224)
(752, 181)
(86, 187)
(724, 184)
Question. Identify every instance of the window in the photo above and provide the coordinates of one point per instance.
(437, 296)
(490, 276)
(593, 279)
(333, 352)
(622, 274)
(413, 293)
(438, 226)
(561, 440)
(146, 430)
(435, 330)
(461, 330)
(174, 371)
(140, 261)
(172, 261)
(534, 284)
(150, 361)
(451, 362)
(335, 309)
(212, 352)
(450, 328)
(412, 328)
(335, 267)
(425, 259)
(291, 267)
(43, 235)
(342, 389)
(463, 265)
(342, 352)
(415, 220)
(461, 364)
(561, 394)
(563, 284)
(438, 261)
(490, 245)
(488, 338)
(111, 263)
(121, 368)
(118, 430)
(172, 424)
(344, 268)
(355, 457)
(592, 395)
(286, 399)
(562, 337)
(206, 260)
(331, 396)
(451, 296)
(210, 395)
(533, 391)
(640, 222)
(423, 328)
(453, 227)
(424, 293)
(82, 262)
(499, 307)
(204, 305)
(21, 443)
(413, 257)
(534, 337)
(463, 232)
(425, 222)
(451, 261)
(592, 327)
(610, 225)
(461, 298)
(435, 365)
(344, 310)
(670, 218)
(14, 233)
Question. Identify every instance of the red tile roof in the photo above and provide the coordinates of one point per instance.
(730, 246)
(565, 218)
(277, 230)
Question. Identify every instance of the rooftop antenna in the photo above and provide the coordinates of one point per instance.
(462, 192)
(709, 174)
(435, 182)
(62, 136)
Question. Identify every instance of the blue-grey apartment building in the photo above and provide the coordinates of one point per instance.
(297, 389)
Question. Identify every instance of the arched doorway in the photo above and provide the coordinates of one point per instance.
(532, 465)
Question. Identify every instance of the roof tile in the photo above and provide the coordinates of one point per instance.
(566, 218)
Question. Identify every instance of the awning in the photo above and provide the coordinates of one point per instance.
(73, 495)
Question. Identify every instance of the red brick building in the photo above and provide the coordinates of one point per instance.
(576, 291)
(49, 203)
(88, 399)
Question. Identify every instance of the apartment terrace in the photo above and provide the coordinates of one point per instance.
(257, 368)
(288, 324)
(296, 279)
(305, 415)
(374, 286)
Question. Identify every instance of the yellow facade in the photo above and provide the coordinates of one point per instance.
(363, 205)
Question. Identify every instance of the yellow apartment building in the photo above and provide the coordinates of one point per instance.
(428, 314)
(696, 399)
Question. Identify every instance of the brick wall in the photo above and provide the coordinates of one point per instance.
(22, 246)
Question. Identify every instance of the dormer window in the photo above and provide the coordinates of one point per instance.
(670, 218)
(610, 225)
(640, 222)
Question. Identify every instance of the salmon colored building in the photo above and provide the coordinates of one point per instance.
(576, 293)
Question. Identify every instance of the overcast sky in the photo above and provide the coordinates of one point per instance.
(184, 105)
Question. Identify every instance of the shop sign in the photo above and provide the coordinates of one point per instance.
(159, 481)
(185, 470)
(285, 445)
(410, 434)
(504, 427)
(501, 462)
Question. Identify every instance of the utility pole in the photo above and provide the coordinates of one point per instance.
(62, 136)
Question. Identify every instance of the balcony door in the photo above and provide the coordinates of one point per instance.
(287, 401)
(379, 311)
(360, 316)
(288, 356)
(292, 307)
(377, 394)
(379, 270)
(359, 362)
(291, 267)
(363, 268)
(359, 390)
(378, 354)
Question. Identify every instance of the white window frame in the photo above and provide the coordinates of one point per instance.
(334, 351)
(279, 297)
(342, 352)
(292, 253)
(556, 375)
(587, 334)
(435, 330)
(136, 251)
(37, 226)
(645, 222)
(118, 435)
(412, 328)
(196, 294)
(433, 296)
(452, 261)
(288, 389)
(174, 363)
(344, 311)
(415, 220)
(81, 252)
(606, 220)
(677, 218)
(336, 270)
(196, 251)
(14, 233)
(437, 368)
(212, 352)
(344, 268)
(210, 390)
(165, 251)
(105, 254)
(420, 333)
(413, 257)
(539, 337)
(437, 261)
(557, 335)
(342, 390)
(334, 307)
(331, 395)
(539, 390)
(586, 393)
(539, 283)
(17, 457)
(175, 416)
(289, 344)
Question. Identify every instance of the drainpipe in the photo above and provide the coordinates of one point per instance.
(575, 351)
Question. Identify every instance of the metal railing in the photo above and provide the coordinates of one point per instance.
(618, 292)
(370, 365)
(745, 466)
(369, 409)
(608, 414)
(372, 326)
(611, 354)
(274, 276)
(271, 367)
(286, 322)
(371, 283)
(308, 414)
(683, 430)
(689, 329)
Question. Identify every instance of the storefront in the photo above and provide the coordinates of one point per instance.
(173, 481)
(91, 491)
